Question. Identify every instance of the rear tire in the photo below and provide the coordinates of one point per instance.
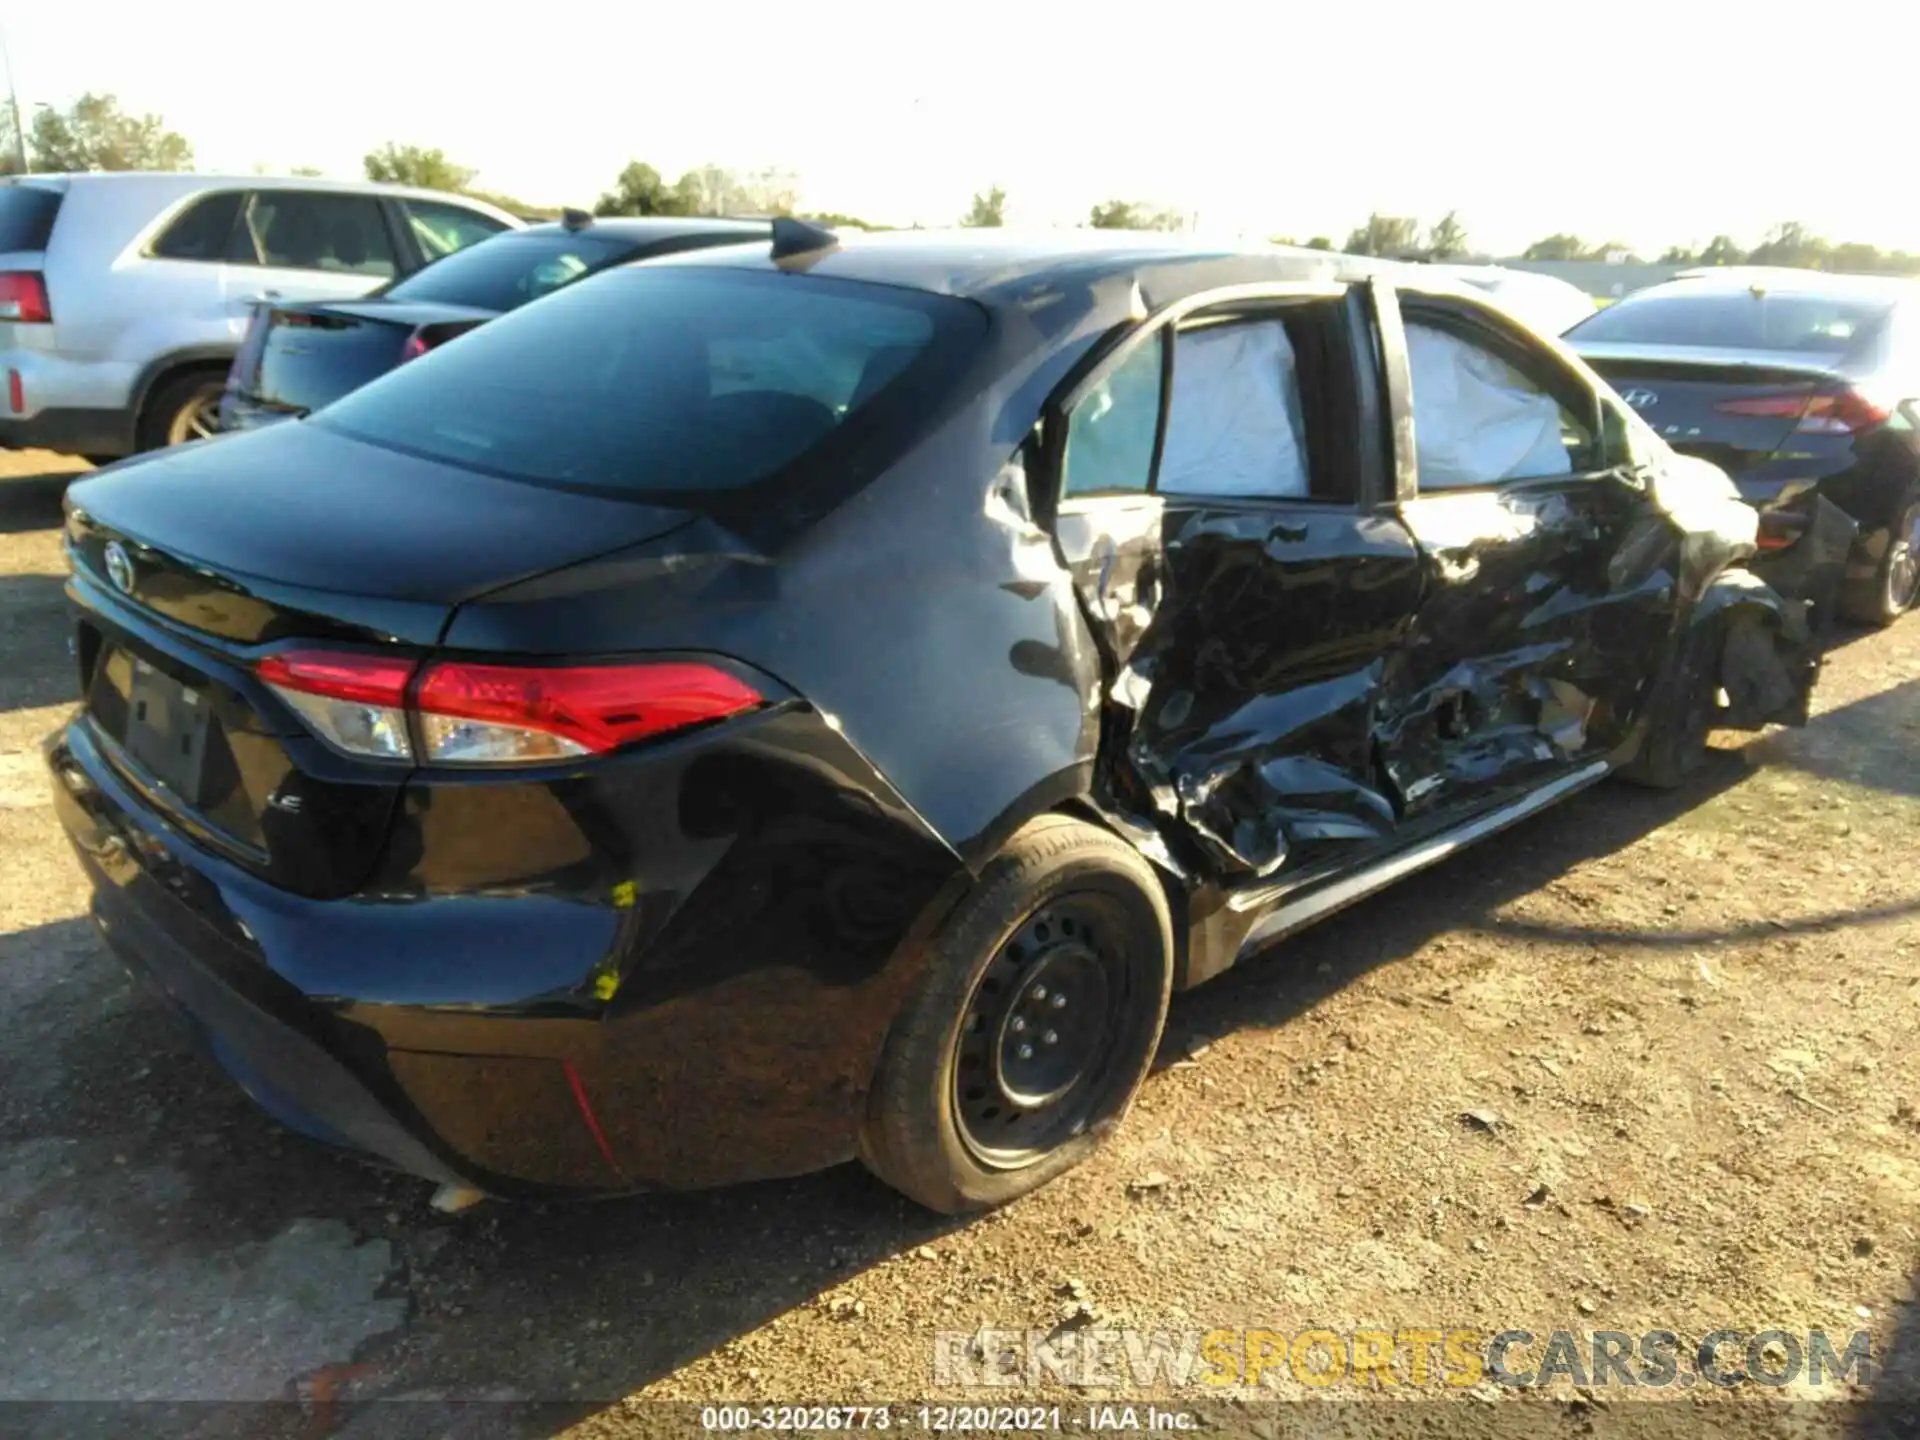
(991, 1083)
(183, 409)
(1896, 580)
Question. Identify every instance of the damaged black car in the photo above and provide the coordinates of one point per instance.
(783, 704)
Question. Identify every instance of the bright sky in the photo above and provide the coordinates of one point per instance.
(1647, 122)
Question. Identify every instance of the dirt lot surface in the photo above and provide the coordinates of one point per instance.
(1647, 1062)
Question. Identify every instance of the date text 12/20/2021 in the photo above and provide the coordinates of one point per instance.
(947, 1419)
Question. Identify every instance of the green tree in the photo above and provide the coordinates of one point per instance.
(640, 191)
(93, 134)
(1559, 247)
(1447, 237)
(988, 210)
(1388, 236)
(1790, 243)
(713, 190)
(1721, 251)
(416, 165)
(307, 171)
(1320, 242)
(1854, 258)
(771, 192)
(1132, 215)
(1679, 255)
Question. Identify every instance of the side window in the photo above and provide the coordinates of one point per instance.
(303, 230)
(442, 229)
(1235, 427)
(1111, 432)
(200, 231)
(1479, 420)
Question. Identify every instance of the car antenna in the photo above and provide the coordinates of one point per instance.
(575, 219)
(800, 237)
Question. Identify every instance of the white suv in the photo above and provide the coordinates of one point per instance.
(123, 297)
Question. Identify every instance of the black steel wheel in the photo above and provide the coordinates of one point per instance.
(1044, 1026)
(1033, 1025)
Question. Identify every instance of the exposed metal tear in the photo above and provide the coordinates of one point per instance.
(1270, 709)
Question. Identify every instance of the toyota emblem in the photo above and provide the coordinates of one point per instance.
(1641, 399)
(119, 567)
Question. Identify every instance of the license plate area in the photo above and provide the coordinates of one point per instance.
(166, 728)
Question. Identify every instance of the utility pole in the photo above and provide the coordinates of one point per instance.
(13, 101)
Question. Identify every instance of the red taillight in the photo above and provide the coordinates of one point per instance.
(417, 345)
(1786, 406)
(23, 296)
(355, 701)
(470, 714)
(505, 714)
(340, 675)
(16, 393)
(1831, 412)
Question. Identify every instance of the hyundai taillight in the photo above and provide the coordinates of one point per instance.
(23, 296)
(418, 344)
(463, 713)
(1830, 412)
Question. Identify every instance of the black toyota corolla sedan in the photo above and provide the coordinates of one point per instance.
(809, 700)
(299, 356)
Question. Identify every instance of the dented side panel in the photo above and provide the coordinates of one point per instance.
(1295, 690)
(1544, 605)
(1247, 668)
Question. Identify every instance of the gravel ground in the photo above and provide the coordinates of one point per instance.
(1647, 1062)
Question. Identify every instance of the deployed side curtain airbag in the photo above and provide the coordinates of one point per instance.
(1235, 428)
(1477, 420)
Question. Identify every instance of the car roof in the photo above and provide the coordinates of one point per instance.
(1787, 280)
(642, 228)
(200, 179)
(1004, 267)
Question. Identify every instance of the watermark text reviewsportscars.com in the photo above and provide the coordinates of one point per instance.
(1405, 1357)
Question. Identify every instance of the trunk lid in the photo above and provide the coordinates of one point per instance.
(191, 564)
(342, 525)
(297, 358)
(1679, 390)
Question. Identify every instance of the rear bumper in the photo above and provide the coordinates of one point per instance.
(715, 1019)
(70, 432)
(261, 1032)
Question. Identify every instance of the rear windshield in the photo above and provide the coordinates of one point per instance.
(508, 271)
(1734, 320)
(668, 381)
(26, 215)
